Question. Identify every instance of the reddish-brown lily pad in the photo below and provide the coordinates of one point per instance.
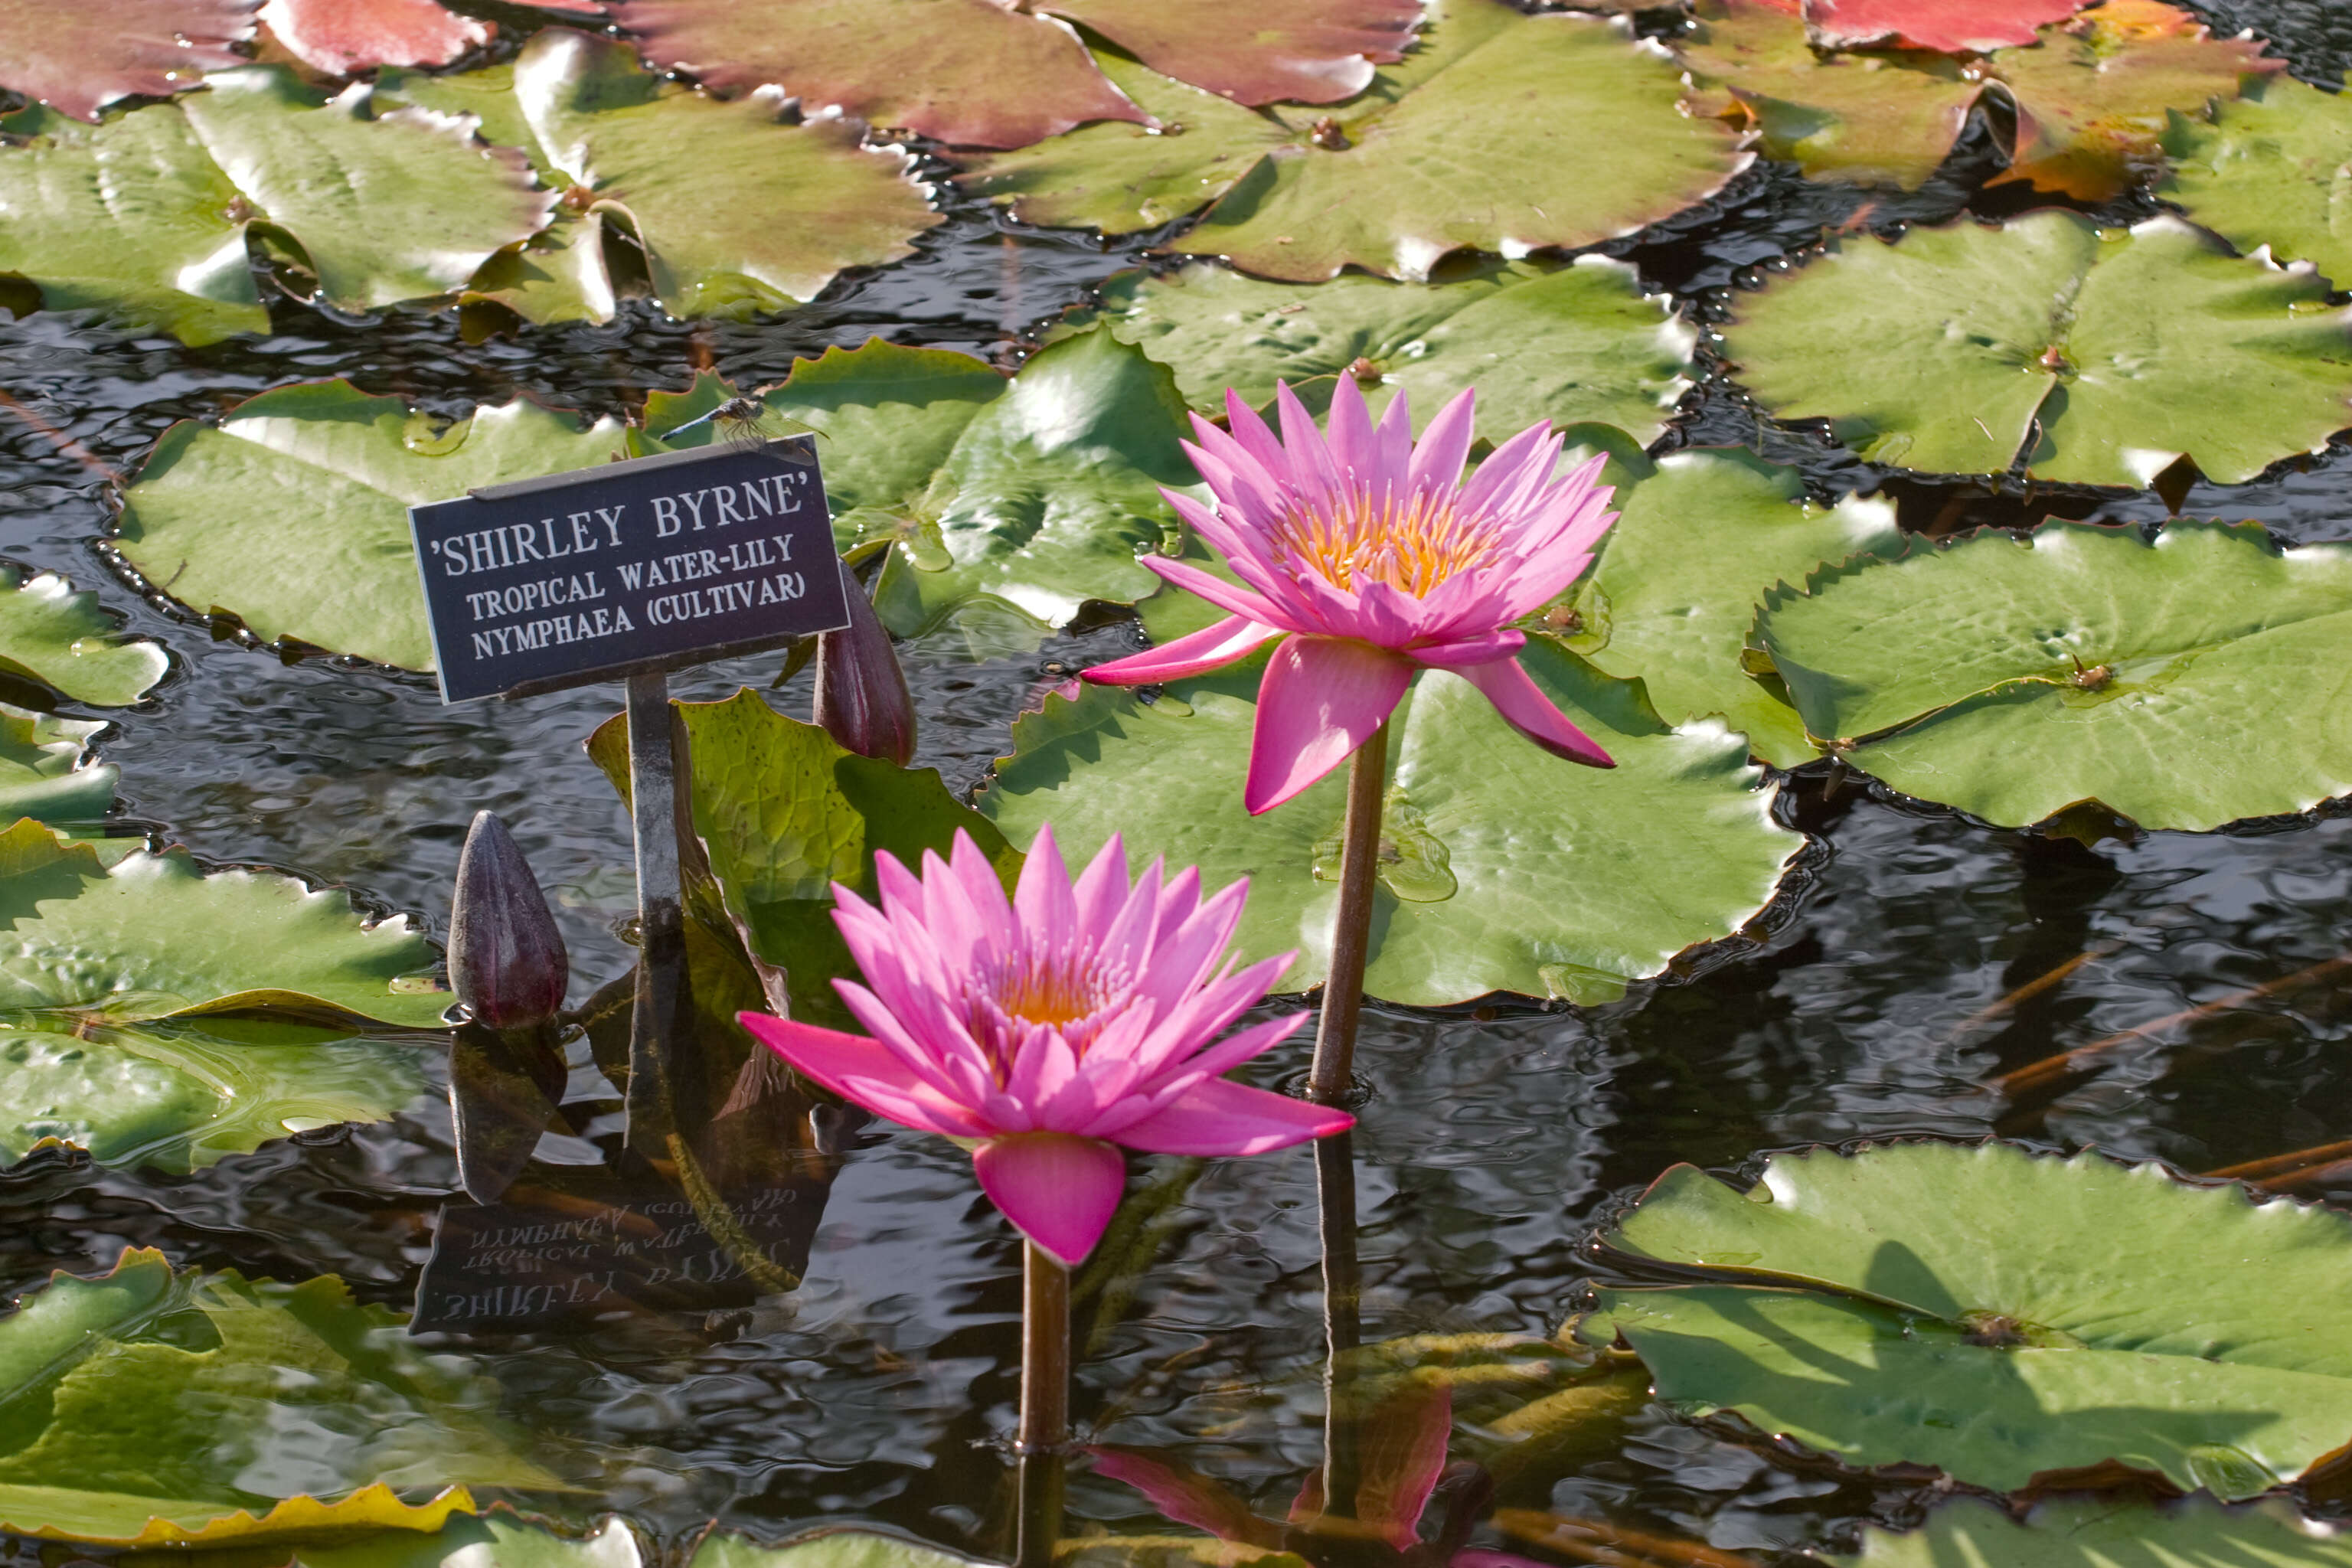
(341, 36)
(979, 74)
(78, 57)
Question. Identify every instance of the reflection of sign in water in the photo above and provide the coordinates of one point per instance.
(648, 564)
(551, 1260)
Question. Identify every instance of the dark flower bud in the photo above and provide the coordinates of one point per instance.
(506, 960)
(861, 693)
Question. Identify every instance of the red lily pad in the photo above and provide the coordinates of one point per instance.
(341, 36)
(1949, 26)
(77, 58)
(1306, 51)
(979, 74)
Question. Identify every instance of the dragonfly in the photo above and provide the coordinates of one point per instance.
(741, 424)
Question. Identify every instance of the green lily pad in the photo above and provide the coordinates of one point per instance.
(783, 813)
(700, 182)
(291, 514)
(1947, 351)
(131, 218)
(2182, 684)
(1569, 344)
(147, 1405)
(1999, 1315)
(2270, 170)
(180, 1096)
(2090, 96)
(1446, 151)
(1049, 495)
(2106, 1534)
(67, 642)
(823, 1548)
(154, 937)
(146, 216)
(1695, 548)
(1506, 869)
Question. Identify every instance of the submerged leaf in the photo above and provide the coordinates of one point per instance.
(154, 937)
(181, 1095)
(1930, 1304)
(833, 1548)
(66, 640)
(1696, 546)
(293, 513)
(1567, 344)
(156, 1407)
(783, 813)
(1565, 882)
(2183, 683)
(1946, 351)
(78, 58)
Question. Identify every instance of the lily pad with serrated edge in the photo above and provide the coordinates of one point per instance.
(147, 216)
(985, 77)
(2269, 172)
(1696, 545)
(181, 1095)
(1569, 344)
(701, 184)
(42, 771)
(493, 1538)
(2117, 1533)
(1998, 1314)
(2183, 684)
(1950, 350)
(79, 59)
(1444, 151)
(1505, 868)
(67, 641)
(783, 813)
(833, 1548)
(155, 1407)
(293, 513)
(154, 937)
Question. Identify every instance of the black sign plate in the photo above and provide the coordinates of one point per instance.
(544, 1261)
(643, 565)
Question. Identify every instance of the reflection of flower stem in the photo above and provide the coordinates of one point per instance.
(724, 1227)
(1335, 1190)
(1351, 926)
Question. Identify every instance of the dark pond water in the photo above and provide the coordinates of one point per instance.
(1493, 1140)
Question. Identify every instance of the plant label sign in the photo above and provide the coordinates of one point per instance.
(648, 564)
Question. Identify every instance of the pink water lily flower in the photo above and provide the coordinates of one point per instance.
(1369, 557)
(1052, 1027)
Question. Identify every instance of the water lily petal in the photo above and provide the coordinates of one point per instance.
(1061, 1191)
(1321, 699)
(1195, 579)
(1219, 1116)
(1349, 424)
(840, 1062)
(1485, 649)
(1521, 701)
(1445, 447)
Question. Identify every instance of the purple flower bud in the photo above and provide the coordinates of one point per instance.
(506, 960)
(861, 693)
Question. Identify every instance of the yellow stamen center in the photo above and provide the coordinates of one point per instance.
(1411, 543)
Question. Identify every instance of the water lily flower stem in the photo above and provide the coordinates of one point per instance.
(1045, 1429)
(1351, 928)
